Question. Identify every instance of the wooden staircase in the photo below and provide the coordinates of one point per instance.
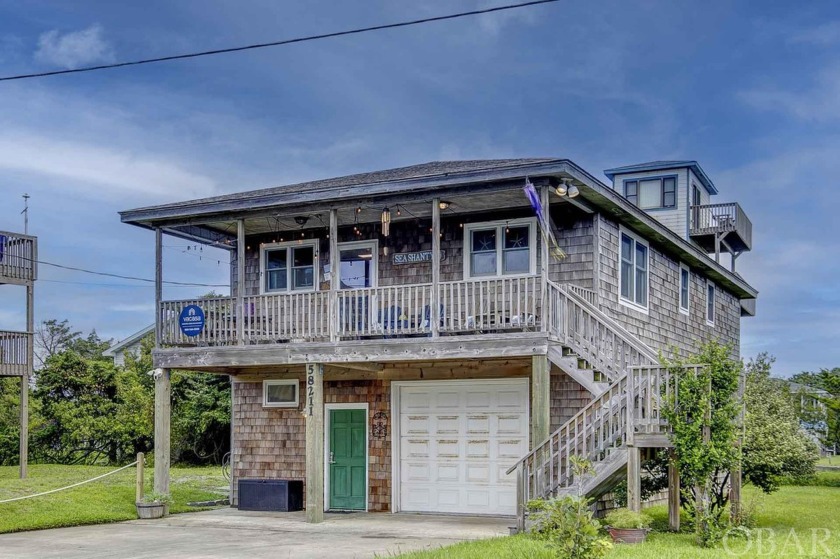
(628, 386)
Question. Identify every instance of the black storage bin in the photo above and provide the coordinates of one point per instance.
(270, 494)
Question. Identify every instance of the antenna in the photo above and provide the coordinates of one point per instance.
(25, 213)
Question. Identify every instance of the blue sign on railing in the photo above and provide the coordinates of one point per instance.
(191, 320)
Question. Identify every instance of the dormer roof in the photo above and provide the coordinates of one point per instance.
(663, 166)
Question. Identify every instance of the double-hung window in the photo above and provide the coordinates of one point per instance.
(685, 293)
(710, 303)
(651, 194)
(289, 266)
(500, 249)
(633, 271)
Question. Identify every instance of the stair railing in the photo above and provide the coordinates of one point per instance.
(592, 335)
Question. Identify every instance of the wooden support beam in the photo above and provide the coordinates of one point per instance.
(313, 409)
(24, 381)
(233, 452)
(540, 399)
(435, 314)
(634, 479)
(163, 413)
(673, 493)
(545, 201)
(139, 489)
(240, 281)
(158, 283)
(368, 367)
(335, 275)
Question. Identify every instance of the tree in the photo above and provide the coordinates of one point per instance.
(52, 337)
(775, 445)
(703, 414)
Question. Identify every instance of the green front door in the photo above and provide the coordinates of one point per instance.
(348, 459)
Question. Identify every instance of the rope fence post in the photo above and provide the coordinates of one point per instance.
(141, 462)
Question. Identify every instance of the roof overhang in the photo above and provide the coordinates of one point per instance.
(189, 216)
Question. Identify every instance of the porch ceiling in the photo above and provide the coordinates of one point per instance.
(370, 211)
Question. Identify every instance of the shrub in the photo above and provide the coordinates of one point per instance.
(626, 519)
(567, 525)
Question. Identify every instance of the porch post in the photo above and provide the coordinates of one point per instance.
(634, 478)
(163, 410)
(314, 412)
(240, 281)
(544, 200)
(335, 275)
(158, 283)
(540, 399)
(673, 493)
(24, 381)
(435, 299)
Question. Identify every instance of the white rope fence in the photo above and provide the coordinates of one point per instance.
(69, 486)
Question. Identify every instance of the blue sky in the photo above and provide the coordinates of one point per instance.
(752, 91)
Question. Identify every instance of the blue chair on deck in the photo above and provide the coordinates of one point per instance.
(427, 316)
(391, 319)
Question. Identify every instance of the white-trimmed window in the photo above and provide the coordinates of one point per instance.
(652, 193)
(280, 393)
(711, 294)
(291, 266)
(685, 289)
(500, 248)
(633, 266)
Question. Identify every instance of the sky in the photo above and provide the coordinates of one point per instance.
(750, 90)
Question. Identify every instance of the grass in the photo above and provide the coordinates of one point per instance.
(801, 509)
(108, 500)
(829, 462)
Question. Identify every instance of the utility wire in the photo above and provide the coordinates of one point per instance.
(278, 43)
(119, 276)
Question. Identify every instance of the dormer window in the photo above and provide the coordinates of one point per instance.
(652, 193)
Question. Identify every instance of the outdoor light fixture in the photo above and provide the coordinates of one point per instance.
(444, 205)
(301, 220)
(386, 222)
(565, 188)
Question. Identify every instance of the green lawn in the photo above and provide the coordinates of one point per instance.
(830, 462)
(802, 509)
(108, 500)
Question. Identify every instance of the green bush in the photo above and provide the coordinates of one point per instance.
(567, 525)
(626, 519)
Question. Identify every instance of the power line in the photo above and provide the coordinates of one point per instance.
(119, 276)
(278, 43)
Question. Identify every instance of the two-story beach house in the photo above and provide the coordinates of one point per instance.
(444, 337)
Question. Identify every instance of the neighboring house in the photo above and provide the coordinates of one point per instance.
(810, 406)
(400, 339)
(19, 266)
(128, 345)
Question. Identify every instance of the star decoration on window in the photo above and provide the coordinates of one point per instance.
(517, 240)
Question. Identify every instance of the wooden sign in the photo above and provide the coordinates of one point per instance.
(419, 257)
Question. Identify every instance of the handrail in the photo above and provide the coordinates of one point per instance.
(15, 359)
(594, 336)
(587, 295)
(724, 217)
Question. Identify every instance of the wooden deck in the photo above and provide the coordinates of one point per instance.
(14, 354)
(18, 258)
(727, 221)
(475, 307)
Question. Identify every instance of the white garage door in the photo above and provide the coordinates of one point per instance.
(456, 440)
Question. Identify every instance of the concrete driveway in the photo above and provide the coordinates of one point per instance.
(234, 534)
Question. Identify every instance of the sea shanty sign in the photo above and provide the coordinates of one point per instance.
(419, 257)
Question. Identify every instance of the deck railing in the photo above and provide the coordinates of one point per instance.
(594, 336)
(18, 257)
(15, 357)
(472, 306)
(710, 219)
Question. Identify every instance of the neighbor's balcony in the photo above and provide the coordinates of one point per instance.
(727, 221)
(18, 258)
(15, 356)
(472, 307)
